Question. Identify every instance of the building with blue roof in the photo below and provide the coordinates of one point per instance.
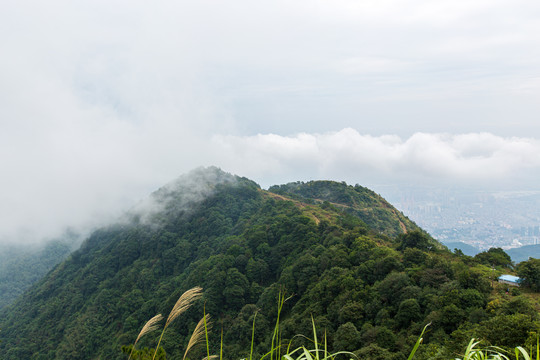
(509, 280)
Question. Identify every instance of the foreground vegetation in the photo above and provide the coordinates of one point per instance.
(370, 278)
(317, 351)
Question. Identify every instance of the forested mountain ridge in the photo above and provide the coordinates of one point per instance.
(371, 291)
(357, 200)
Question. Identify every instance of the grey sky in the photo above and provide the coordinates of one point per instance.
(101, 102)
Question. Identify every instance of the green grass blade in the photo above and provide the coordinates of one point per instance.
(523, 352)
(206, 333)
(276, 328)
(307, 355)
(315, 338)
(221, 346)
(325, 347)
(252, 336)
(289, 346)
(418, 342)
(537, 347)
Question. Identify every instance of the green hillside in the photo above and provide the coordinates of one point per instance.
(370, 282)
(370, 207)
(523, 253)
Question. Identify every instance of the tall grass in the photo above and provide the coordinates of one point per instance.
(418, 342)
(198, 335)
(150, 326)
(473, 352)
(182, 304)
(275, 347)
(303, 353)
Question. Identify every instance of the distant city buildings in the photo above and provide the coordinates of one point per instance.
(479, 218)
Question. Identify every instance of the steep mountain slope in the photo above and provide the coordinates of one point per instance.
(523, 253)
(375, 211)
(372, 291)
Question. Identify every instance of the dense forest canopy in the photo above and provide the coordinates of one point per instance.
(366, 274)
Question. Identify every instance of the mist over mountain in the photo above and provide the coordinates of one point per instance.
(352, 261)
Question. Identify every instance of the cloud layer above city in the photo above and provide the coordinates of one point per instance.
(346, 154)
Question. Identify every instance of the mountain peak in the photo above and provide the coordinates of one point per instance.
(181, 195)
(356, 200)
(341, 249)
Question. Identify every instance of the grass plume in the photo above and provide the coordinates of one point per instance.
(182, 304)
(150, 326)
(198, 335)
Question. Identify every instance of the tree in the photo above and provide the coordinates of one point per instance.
(347, 337)
(529, 272)
(507, 330)
(495, 257)
(409, 311)
(144, 353)
(385, 338)
(414, 239)
(236, 288)
(392, 286)
(374, 352)
(450, 318)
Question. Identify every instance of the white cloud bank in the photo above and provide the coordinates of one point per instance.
(83, 178)
(348, 154)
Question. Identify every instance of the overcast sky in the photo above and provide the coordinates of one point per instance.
(102, 102)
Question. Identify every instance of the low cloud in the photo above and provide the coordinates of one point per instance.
(88, 179)
(348, 154)
(179, 196)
